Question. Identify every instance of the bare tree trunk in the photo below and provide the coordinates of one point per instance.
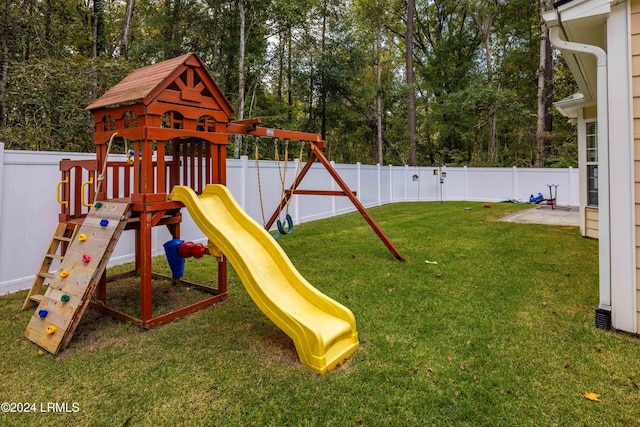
(289, 79)
(241, 78)
(99, 37)
(48, 33)
(126, 28)
(493, 149)
(281, 64)
(411, 115)
(323, 80)
(545, 91)
(379, 157)
(311, 125)
(484, 16)
(5, 63)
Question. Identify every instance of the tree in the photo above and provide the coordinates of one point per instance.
(379, 156)
(411, 110)
(484, 15)
(241, 77)
(4, 70)
(384, 81)
(447, 43)
(99, 45)
(126, 29)
(545, 90)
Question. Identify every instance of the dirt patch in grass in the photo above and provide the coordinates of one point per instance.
(97, 331)
(281, 347)
(124, 295)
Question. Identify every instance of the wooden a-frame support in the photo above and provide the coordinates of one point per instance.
(316, 153)
(252, 127)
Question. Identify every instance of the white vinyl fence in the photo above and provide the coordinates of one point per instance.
(29, 210)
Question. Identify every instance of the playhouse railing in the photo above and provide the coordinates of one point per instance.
(76, 175)
(79, 180)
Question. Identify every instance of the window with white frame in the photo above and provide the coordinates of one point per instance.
(592, 162)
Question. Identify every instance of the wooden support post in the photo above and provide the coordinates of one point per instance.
(343, 185)
(222, 275)
(101, 290)
(145, 265)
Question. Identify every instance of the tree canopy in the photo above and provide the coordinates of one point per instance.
(336, 68)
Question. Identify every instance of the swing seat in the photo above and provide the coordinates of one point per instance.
(281, 230)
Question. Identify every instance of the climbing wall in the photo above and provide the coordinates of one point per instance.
(63, 304)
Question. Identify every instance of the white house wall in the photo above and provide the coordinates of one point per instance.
(622, 227)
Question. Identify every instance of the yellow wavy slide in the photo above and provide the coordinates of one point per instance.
(323, 331)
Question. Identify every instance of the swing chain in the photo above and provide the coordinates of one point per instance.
(295, 179)
(264, 221)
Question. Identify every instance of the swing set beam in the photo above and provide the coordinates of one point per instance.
(251, 127)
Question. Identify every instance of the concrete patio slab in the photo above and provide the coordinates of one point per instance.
(545, 215)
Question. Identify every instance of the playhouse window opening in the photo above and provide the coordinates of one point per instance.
(206, 124)
(171, 120)
(108, 123)
(130, 120)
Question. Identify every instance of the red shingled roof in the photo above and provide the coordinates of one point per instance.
(141, 83)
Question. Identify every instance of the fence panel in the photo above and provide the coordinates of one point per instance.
(534, 181)
(29, 211)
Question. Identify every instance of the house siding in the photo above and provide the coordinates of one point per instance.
(635, 72)
(592, 112)
(591, 222)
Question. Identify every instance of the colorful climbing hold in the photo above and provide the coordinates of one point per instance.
(65, 298)
(97, 205)
(43, 313)
(82, 237)
(64, 273)
(104, 222)
(86, 258)
(51, 329)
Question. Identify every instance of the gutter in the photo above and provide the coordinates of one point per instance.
(604, 211)
(559, 3)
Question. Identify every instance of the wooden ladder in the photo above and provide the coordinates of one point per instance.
(60, 240)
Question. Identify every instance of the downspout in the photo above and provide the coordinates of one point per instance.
(604, 212)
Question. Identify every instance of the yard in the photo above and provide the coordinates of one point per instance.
(499, 332)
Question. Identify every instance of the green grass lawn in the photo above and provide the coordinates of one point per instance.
(500, 332)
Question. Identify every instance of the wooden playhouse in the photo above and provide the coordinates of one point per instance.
(176, 123)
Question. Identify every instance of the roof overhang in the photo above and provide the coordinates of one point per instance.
(569, 106)
(580, 21)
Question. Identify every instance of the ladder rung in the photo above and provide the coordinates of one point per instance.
(55, 256)
(47, 275)
(36, 298)
(62, 238)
